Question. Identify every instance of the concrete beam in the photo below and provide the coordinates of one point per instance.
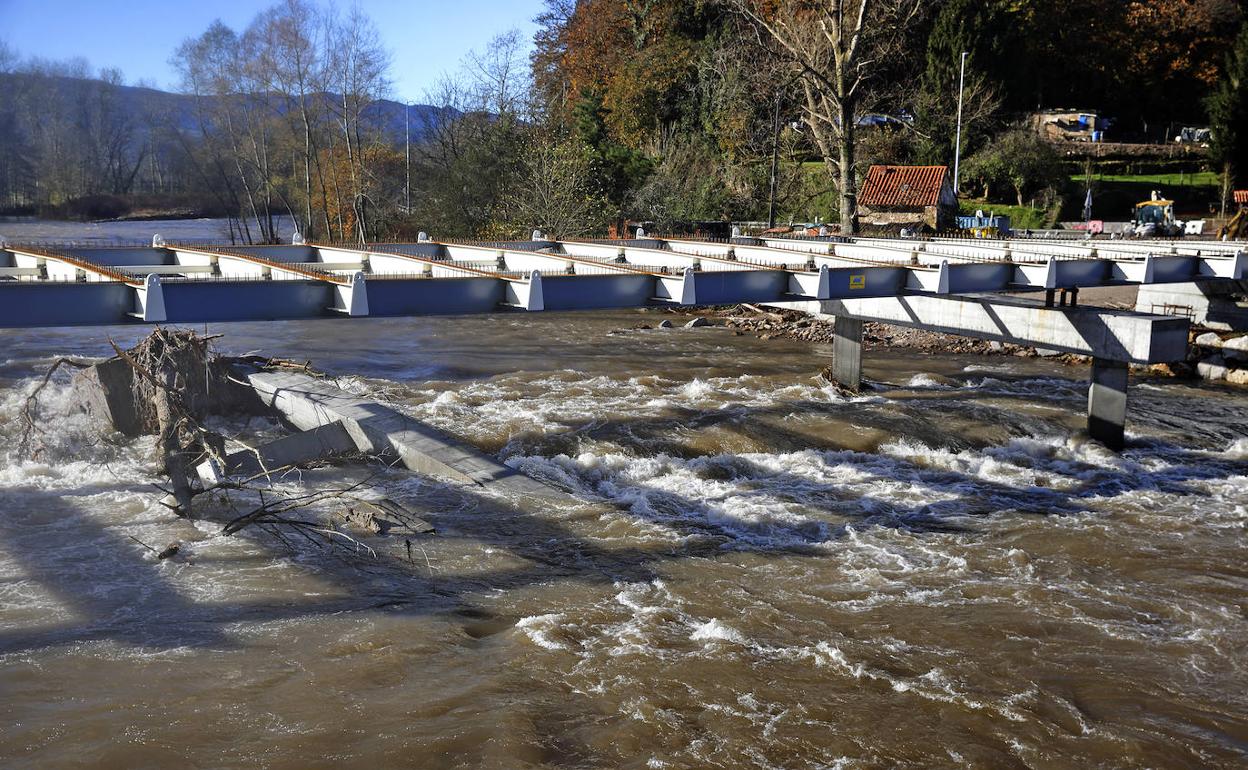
(1212, 303)
(847, 352)
(1107, 403)
(307, 403)
(1112, 335)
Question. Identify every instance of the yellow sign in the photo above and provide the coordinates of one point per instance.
(857, 282)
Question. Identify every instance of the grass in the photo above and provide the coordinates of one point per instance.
(1021, 217)
(1115, 195)
(1195, 179)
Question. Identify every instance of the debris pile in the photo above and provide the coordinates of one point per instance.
(169, 385)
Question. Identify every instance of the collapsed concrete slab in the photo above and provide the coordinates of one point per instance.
(105, 391)
(307, 402)
(297, 449)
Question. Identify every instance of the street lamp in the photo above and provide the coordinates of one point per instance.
(957, 150)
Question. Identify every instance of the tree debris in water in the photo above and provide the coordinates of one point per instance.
(167, 386)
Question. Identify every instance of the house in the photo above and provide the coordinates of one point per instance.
(908, 195)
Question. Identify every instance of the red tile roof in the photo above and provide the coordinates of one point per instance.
(1241, 196)
(903, 186)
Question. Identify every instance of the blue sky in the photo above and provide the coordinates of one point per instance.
(425, 37)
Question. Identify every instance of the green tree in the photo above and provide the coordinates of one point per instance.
(1227, 107)
(979, 29)
(554, 190)
(1019, 161)
(620, 168)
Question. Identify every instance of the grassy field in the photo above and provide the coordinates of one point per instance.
(1195, 179)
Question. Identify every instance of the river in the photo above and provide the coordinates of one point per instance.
(759, 572)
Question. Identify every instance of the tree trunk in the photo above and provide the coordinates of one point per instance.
(848, 181)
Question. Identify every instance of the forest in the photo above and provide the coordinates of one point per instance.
(660, 111)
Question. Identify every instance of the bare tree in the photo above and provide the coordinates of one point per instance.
(287, 40)
(356, 68)
(833, 48)
(555, 190)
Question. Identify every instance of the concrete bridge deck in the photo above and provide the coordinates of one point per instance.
(956, 286)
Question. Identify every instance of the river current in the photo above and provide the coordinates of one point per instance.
(758, 572)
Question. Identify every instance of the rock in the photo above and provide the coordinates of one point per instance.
(1168, 370)
(1237, 376)
(170, 551)
(1212, 369)
(1209, 340)
(105, 392)
(1239, 344)
(697, 323)
(665, 324)
(1047, 353)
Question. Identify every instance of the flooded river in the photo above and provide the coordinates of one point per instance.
(759, 573)
(756, 572)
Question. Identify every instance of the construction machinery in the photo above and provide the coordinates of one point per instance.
(1237, 228)
(1154, 218)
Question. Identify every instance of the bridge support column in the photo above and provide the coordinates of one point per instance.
(847, 352)
(1107, 403)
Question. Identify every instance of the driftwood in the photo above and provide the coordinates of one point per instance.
(30, 408)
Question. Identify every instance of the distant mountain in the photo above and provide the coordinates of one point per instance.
(179, 110)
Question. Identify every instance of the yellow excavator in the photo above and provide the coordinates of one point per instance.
(1237, 228)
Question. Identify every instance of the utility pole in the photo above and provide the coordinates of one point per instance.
(957, 149)
(407, 144)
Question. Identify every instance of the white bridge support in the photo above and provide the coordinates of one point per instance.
(309, 403)
(1113, 338)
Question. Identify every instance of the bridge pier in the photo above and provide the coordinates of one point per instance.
(847, 352)
(1107, 403)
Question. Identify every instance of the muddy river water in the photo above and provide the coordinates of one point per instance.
(758, 572)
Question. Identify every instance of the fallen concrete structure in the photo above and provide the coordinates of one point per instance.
(309, 403)
(319, 443)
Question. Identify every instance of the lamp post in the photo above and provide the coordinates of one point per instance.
(775, 157)
(957, 149)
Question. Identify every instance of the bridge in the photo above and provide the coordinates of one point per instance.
(967, 287)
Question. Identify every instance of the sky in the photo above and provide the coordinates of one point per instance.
(425, 37)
